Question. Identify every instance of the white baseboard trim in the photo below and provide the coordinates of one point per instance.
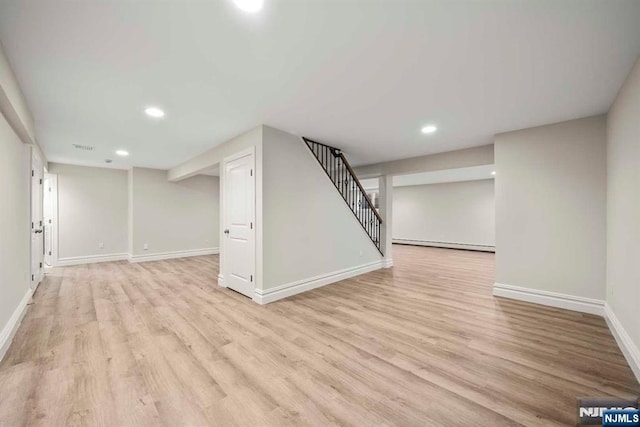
(172, 255)
(449, 245)
(221, 281)
(629, 348)
(289, 289)
(552, 299)
(387, 263)
(90, 259)
(9, 330)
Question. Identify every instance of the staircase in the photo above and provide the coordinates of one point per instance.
(341, 174)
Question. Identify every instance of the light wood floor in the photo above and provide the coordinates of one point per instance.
(424, 343)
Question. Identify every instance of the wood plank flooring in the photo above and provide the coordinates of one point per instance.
(424, 343)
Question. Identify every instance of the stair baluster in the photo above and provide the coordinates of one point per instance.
(344, 179)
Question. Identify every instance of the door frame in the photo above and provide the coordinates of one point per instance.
(251, 151)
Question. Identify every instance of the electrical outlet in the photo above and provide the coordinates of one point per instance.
(101, 245)
(145, 247)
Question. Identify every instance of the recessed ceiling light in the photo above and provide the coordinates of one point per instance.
(251, 6)
(493, 173)
(154, 112)
(122, 153)
(429, 129)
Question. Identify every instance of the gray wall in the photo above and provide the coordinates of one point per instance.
(550, 207)
(308, 228)
(14, 222)
(92, 209)
(623, 206)
(173, 216)
(456, 212)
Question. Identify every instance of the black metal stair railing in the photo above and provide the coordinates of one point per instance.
(341, 174)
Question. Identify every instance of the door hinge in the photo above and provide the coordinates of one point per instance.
(32, 225)
(33, 172)
(251, 172)
(33, 278)
(40, 181)
(40, 265)
(40, 223)
(49, 221)
(252, 277)
(49, 253)
(252, 226)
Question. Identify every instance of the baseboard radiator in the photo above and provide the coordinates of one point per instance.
(450, 245)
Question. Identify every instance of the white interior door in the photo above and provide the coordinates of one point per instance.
(37, 222)
(239, 232)
(48, 204)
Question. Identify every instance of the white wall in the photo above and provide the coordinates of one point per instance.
(214, 156)
(125, 209)
(14, 228)
(308, 228)
(306, 236)
(92, 209)
(467, 157)
(16, 128)
(457, 214)
(14, 106)
(21, 117)
(129, 212)
(550, 208)
(173, 216)
(623, 211)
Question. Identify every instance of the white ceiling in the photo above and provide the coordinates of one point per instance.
(472, 173)
(364, 76)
